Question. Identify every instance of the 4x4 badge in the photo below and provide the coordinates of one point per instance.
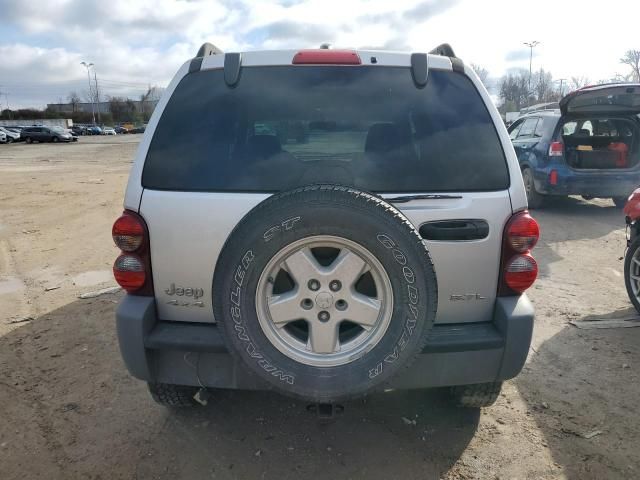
(181, 303)
(466, 297)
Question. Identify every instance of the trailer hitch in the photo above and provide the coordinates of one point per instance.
(326, 412)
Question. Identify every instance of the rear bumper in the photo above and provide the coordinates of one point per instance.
(588, 183)
(190, 353)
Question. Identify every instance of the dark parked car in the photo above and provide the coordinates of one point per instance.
(94, 130)
(79, 130)
(120, 130)
(138, 129)
(45, 134)
(589, 147)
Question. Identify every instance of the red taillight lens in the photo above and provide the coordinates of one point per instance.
(520, 273)
(128, 233)
(553, 177)
(519, 269)
(556, 149)
(326, 57)
(129, 272)
(522, 232)
(132, 271)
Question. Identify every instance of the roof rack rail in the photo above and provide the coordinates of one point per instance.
(444, 49)
(208, 49)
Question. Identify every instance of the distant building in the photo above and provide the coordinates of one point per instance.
(102, 107)
(46, 122)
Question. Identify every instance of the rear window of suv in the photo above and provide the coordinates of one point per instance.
(367, 127)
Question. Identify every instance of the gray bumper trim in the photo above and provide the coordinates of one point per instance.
(459, 354)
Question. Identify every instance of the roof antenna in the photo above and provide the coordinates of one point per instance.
(325, 46)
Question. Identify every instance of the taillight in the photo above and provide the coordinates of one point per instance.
(520, 272)
(553, 177)
(518, 268)
(129, 272)
(522, 232)
(132, 269)
(127, 233)
(556, 149)
(326, 57)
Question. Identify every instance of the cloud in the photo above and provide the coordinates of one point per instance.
(427, 9)
(408, 18)
(137, 42)
(293, 33)
(518, 55)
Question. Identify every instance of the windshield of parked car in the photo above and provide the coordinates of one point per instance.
(369, 127)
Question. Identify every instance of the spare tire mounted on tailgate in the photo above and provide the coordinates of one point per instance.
(325, 292)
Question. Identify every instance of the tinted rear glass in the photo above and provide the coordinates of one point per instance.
(367, 127)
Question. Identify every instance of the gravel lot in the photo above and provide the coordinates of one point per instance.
(68, 409)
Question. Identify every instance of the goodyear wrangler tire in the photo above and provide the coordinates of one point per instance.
(325, 292)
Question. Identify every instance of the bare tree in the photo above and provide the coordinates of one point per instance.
(74, 100)
(483, 73)
(543, 87)
(579, 82)
(514, 89)
(89, 96)
(632, 58)
(122, 109)
(149, 99)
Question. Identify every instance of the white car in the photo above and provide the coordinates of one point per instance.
(3, 137)
(10, 136)
(108, 131)
(325, 223)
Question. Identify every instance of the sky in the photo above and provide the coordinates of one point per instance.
(137, 43)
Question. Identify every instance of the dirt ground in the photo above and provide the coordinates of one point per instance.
(68, 408)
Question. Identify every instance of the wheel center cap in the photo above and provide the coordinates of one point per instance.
(324, 300)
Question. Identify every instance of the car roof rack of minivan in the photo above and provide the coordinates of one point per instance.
(445, 50)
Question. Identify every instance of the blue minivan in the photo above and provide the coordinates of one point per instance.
(589, 147)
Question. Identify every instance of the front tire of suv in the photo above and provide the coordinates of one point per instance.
(534, 199)
(477, 395)
(325, 292)
(173, 396)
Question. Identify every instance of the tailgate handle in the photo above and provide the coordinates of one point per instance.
(455, 230)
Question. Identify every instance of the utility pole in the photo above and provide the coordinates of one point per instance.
(531, 45)
(561, 80)
(6, 98)
(95, 78)
(93, 112)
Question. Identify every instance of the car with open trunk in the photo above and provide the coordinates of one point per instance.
(589, 147)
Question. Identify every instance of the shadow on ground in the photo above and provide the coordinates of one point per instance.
(69, 410)
(581, 383)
